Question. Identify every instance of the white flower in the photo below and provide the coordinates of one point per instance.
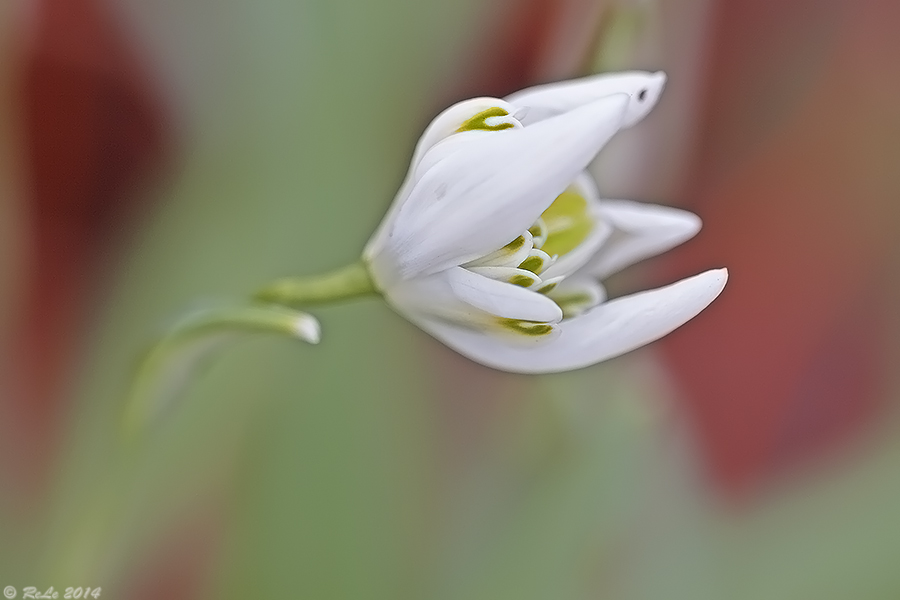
(498, 239)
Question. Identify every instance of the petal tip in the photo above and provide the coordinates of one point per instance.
(716, 279)
(692, 224)
(722, 275)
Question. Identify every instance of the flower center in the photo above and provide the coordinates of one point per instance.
(562, 228)
(568, 221)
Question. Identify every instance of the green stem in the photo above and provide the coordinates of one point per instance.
(351, 281)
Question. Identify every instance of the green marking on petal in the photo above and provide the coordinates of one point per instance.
(546, 289)
(479, 121)
(509, 255)
(533, 264)
(574, 304)
(576, 298)
(515, 244)
(529, 328)
(536, 261)
(522, 280)
(568, 221)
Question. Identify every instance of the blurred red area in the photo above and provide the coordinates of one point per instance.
(794, 181)
(91, 125)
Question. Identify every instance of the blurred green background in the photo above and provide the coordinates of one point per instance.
(156, 156)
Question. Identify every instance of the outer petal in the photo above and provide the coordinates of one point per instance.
(639, 231)
(446, 124)
(545, 101)
(441, 127)
(476, 200)
(607, 331)
(468, 298)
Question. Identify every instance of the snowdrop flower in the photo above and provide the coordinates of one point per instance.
(498, 239)
(496, 244)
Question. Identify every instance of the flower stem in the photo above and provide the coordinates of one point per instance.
(351, 281)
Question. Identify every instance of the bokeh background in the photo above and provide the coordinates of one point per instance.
(157, 155)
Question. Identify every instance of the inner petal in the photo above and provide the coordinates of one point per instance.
(538, 232)
(575, 296)
(509, 255)
(513, 275)
(537, 261)
(568, 222)
(502, 299)
(526, 328)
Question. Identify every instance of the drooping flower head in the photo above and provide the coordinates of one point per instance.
(498, 239)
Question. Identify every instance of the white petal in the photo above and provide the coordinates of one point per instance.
(506, 256)
(441, 127)
(639, 231)
(537, 261)
(433, 296)
(538, 232)
(468, 298)
(503, 299)
(448, 122)
(513, 275)
(609, 330)
(548, 285)
(478, 199)
(545, 101)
